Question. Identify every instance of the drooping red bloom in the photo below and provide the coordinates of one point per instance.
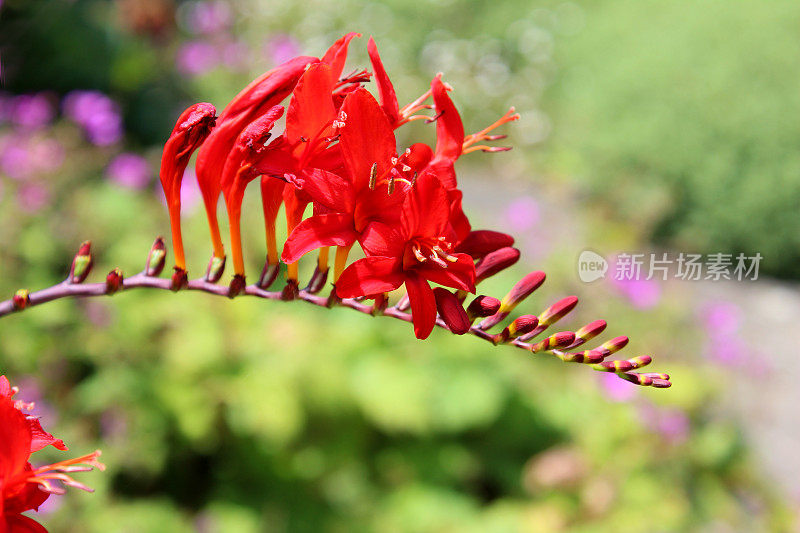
(23, 487)
(414, 253)
(192, 128)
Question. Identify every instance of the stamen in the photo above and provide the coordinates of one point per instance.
(436, 259)
(482, 135)
(391, 184)
(421, 258)
(373, 176)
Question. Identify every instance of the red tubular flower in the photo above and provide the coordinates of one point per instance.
(240, 170)
(22, 487)
(191, 129)
(416, 252)
(262, 94)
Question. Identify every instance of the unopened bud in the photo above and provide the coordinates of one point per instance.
(588, 332)
(495, 262)
(290, 290)
(237, 286)
(114, 281)
(518, 293)
(180, 279)
(553, 314)
(482, 306)
(554, 342)
(216, 266)
(451, 311)
(81, 264)
(21, 299)
(613, 366)
(612, 346)
(156, 258)
(268, 275)
(317, 281)
(519, 326)
(481, 242)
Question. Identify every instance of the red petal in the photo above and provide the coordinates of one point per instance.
(385, 87)
(15, 440)
(329, 190)
(369, 276)
(249, 143)
(311, 110)
(481, 242)
(458, 275)
(458, 220)
(452, 311)
(423, 305)
(449, 134)
(337, 53)
(420, 154)
(366, 138)
(382, 240)
(426, 209)
(271, 197)
(22, 524)
(316, 232)
(40, 438)
(5, 387)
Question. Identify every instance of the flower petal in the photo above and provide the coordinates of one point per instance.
(369, 276)
(458, 275)
(449, 133)
(366, 138)
(311, 110)
(316, 232)
(382, 240)
(337, 53)
(385, 88)
(328, 189)
(452, 311)
(426, 209)
(423, 305)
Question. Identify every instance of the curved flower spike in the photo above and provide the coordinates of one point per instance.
(192, 128)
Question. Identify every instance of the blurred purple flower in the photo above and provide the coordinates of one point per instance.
(671, 424)
(281, 48)
(47, 155)
(98, 114)
(721, 318)
(641, 293)
(616, 389)
(729, 351)
(196, 57)
(129, 170)
(208, 17)
(6, 105)
(113, 424)
(522, 214)
(32, 111)
(32, 197)
(15, 158)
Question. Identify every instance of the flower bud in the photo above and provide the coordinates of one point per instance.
(81, 264)
(156, 258)
(520, 326)
(451, 311)
(553, 314)
(495, 262)
(290, 290)
(317, 281)
(612, 346)
(518, 293)
(268, 275)
(613, 366)
(481, 242)
(588, 332)
(114, 281)
(216, 266)
(482, 306)
(554, 342)
(21, 299)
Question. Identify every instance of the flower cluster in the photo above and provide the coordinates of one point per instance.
(338, 152)
(22, 486)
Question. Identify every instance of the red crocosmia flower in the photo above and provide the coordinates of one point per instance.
(261, 95)
(449, 134)
(372, 189)
(240, 170)
(191, 129)
(39, 437)
(414, 253)
(386, 92)
(23, 487)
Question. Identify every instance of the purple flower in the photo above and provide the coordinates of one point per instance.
(721, 318)
(672, 425)
(522, 214)
(32, 111)
(15, 158)
(641, 293)
(129, 170)
(205, 18)
(235, 55)
(98, 114)
(32, 197)
(196, 57)
(281, 48)
(616, 389)
(46, 154)
(6, 105)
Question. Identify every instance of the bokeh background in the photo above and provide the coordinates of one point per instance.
(646, 126)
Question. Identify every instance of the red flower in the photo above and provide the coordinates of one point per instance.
(414, 253)
(191, 129)
(23, 487)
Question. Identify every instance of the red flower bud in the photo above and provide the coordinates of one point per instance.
(156, 258)
(554, 342)
(482, 306)
(216, 266)
(518, 293)
(451, 311)
(519, 326)
(81, 264)
(588, 332)
(21, 299)
(180, 279)
(553, 314)
(114, 281)
(495, 262)
(478, 243)
(237, 286)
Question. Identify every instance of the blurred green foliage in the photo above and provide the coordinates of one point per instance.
(267, 416)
